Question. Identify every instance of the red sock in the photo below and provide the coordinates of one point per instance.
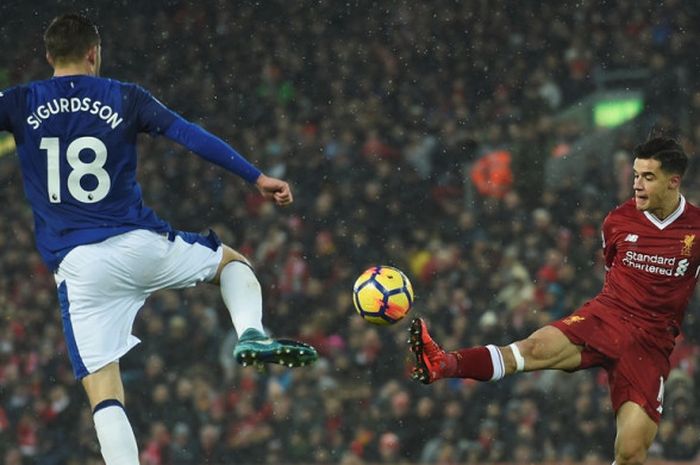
(474, 363)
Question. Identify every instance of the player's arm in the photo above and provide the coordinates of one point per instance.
(211, 148)
(158, 119)
(215, 150)
(6, 109)
(609, 247)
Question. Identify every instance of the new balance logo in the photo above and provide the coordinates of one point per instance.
(631, 238)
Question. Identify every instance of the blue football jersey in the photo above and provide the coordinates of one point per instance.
(76, 142)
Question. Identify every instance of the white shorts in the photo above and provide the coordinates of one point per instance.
(102, 286)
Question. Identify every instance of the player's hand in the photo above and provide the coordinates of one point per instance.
(274, 189)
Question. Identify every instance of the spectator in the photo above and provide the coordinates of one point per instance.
(376, 114)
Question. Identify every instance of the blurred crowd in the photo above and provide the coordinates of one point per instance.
(375, 114)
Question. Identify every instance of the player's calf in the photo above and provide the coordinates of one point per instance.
(546, 348)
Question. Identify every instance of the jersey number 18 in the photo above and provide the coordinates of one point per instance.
(79, 169)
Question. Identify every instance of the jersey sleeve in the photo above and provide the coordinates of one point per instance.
(7, 108)
(152, 116)
(156, 119)
(609, 247)
(211, 148)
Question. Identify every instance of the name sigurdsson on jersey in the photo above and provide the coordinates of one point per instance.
(72, 105)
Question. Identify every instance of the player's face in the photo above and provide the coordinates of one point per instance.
(654, 190)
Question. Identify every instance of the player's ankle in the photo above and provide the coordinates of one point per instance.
(450, 369)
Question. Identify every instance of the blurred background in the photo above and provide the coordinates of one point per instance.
(475, 145)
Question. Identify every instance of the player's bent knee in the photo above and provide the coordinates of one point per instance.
(635, 434)
(630, 453)
(229, 255)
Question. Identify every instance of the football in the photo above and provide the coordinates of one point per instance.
(382, 295)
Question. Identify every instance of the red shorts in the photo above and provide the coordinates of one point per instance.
(636, 360)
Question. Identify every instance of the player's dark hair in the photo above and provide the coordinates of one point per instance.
(70, 36)
(667, 151)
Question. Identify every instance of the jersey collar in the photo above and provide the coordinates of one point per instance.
(670, 218)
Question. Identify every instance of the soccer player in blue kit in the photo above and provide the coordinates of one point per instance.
(76, 135)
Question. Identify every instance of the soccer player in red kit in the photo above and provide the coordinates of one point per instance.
(652, 255)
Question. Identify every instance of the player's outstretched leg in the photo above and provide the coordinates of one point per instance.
(255, 348)
(482, 363)
(242, 295)
(431, 359)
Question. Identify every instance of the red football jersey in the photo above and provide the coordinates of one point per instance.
(652, 265)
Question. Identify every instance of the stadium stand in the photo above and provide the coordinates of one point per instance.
(376, 114)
